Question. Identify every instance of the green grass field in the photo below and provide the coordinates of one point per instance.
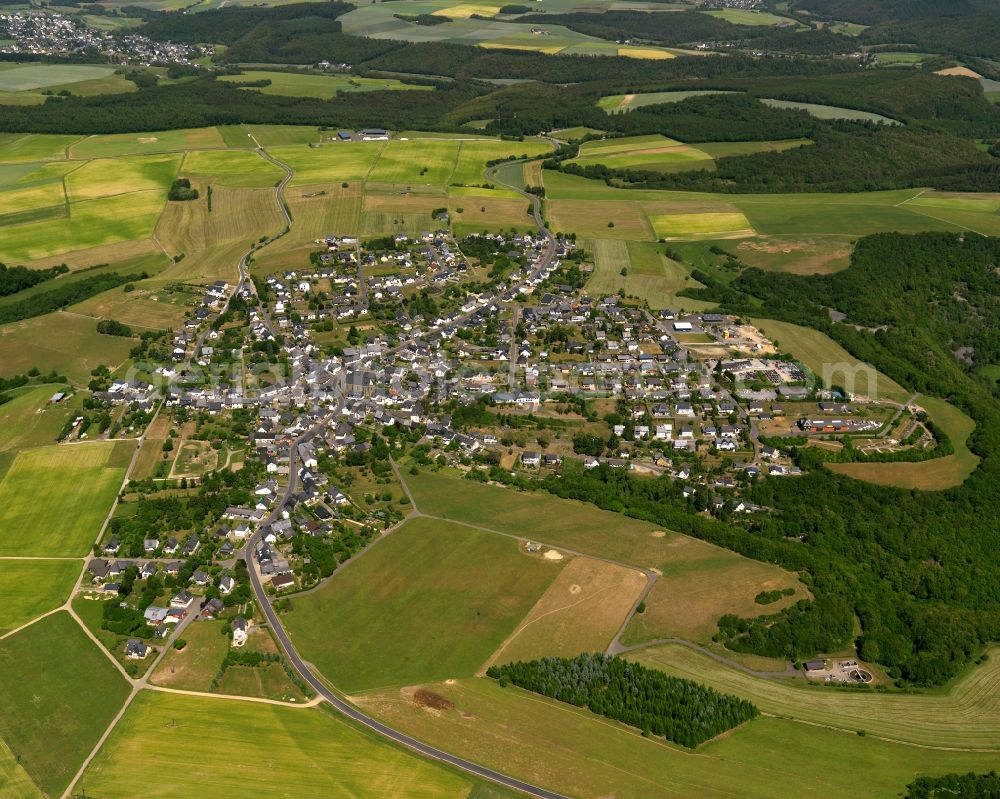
(29, 588)
(331, 163)
(108, 177)
(41, 76)
(613, 103)
(324, 87)
(701, 225)
(78, 482)
(725, 149)
(700, 582)
(416, 607)
(473, 155)
(91, 223)
(69, 344)
(827, 359)
(642, 152)
(964, 716)
(14, 779)
(16, 147)
(933, 475)
(422, 162)
(237, 168)
(739, 16)
(576, 753)
(60, 693)
(831, 111)
(264, 751)
(118, 144)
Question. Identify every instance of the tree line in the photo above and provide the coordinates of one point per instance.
(679, 710)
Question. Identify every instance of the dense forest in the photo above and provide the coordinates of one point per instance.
(919, 570)
(956, 786)
(17, 278)
(679, 710)
(845, 157)
(61, 296)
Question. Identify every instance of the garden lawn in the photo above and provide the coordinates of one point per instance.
(258, 750)
(431, 601)
(59, 694)
(53, 500)
(29, 588)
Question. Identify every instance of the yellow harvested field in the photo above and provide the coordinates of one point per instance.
(318, 211)
(966, 715)
(609, 219)
(547, 49)
(959, 72)
(467, 10)
(581, 611)
(102, 254)
(15, 201)
(645, 52)
(701, 225)
(212, 241)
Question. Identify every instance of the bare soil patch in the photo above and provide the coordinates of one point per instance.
(424, 698)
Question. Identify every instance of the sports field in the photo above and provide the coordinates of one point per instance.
(933, 475)
(576, 753)
(827, 359)
(59, 694)
(581, 611)
(966, 715)
(264, 751)
(324, 87)
(53, 500)
(416, 607)
(29, 588)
